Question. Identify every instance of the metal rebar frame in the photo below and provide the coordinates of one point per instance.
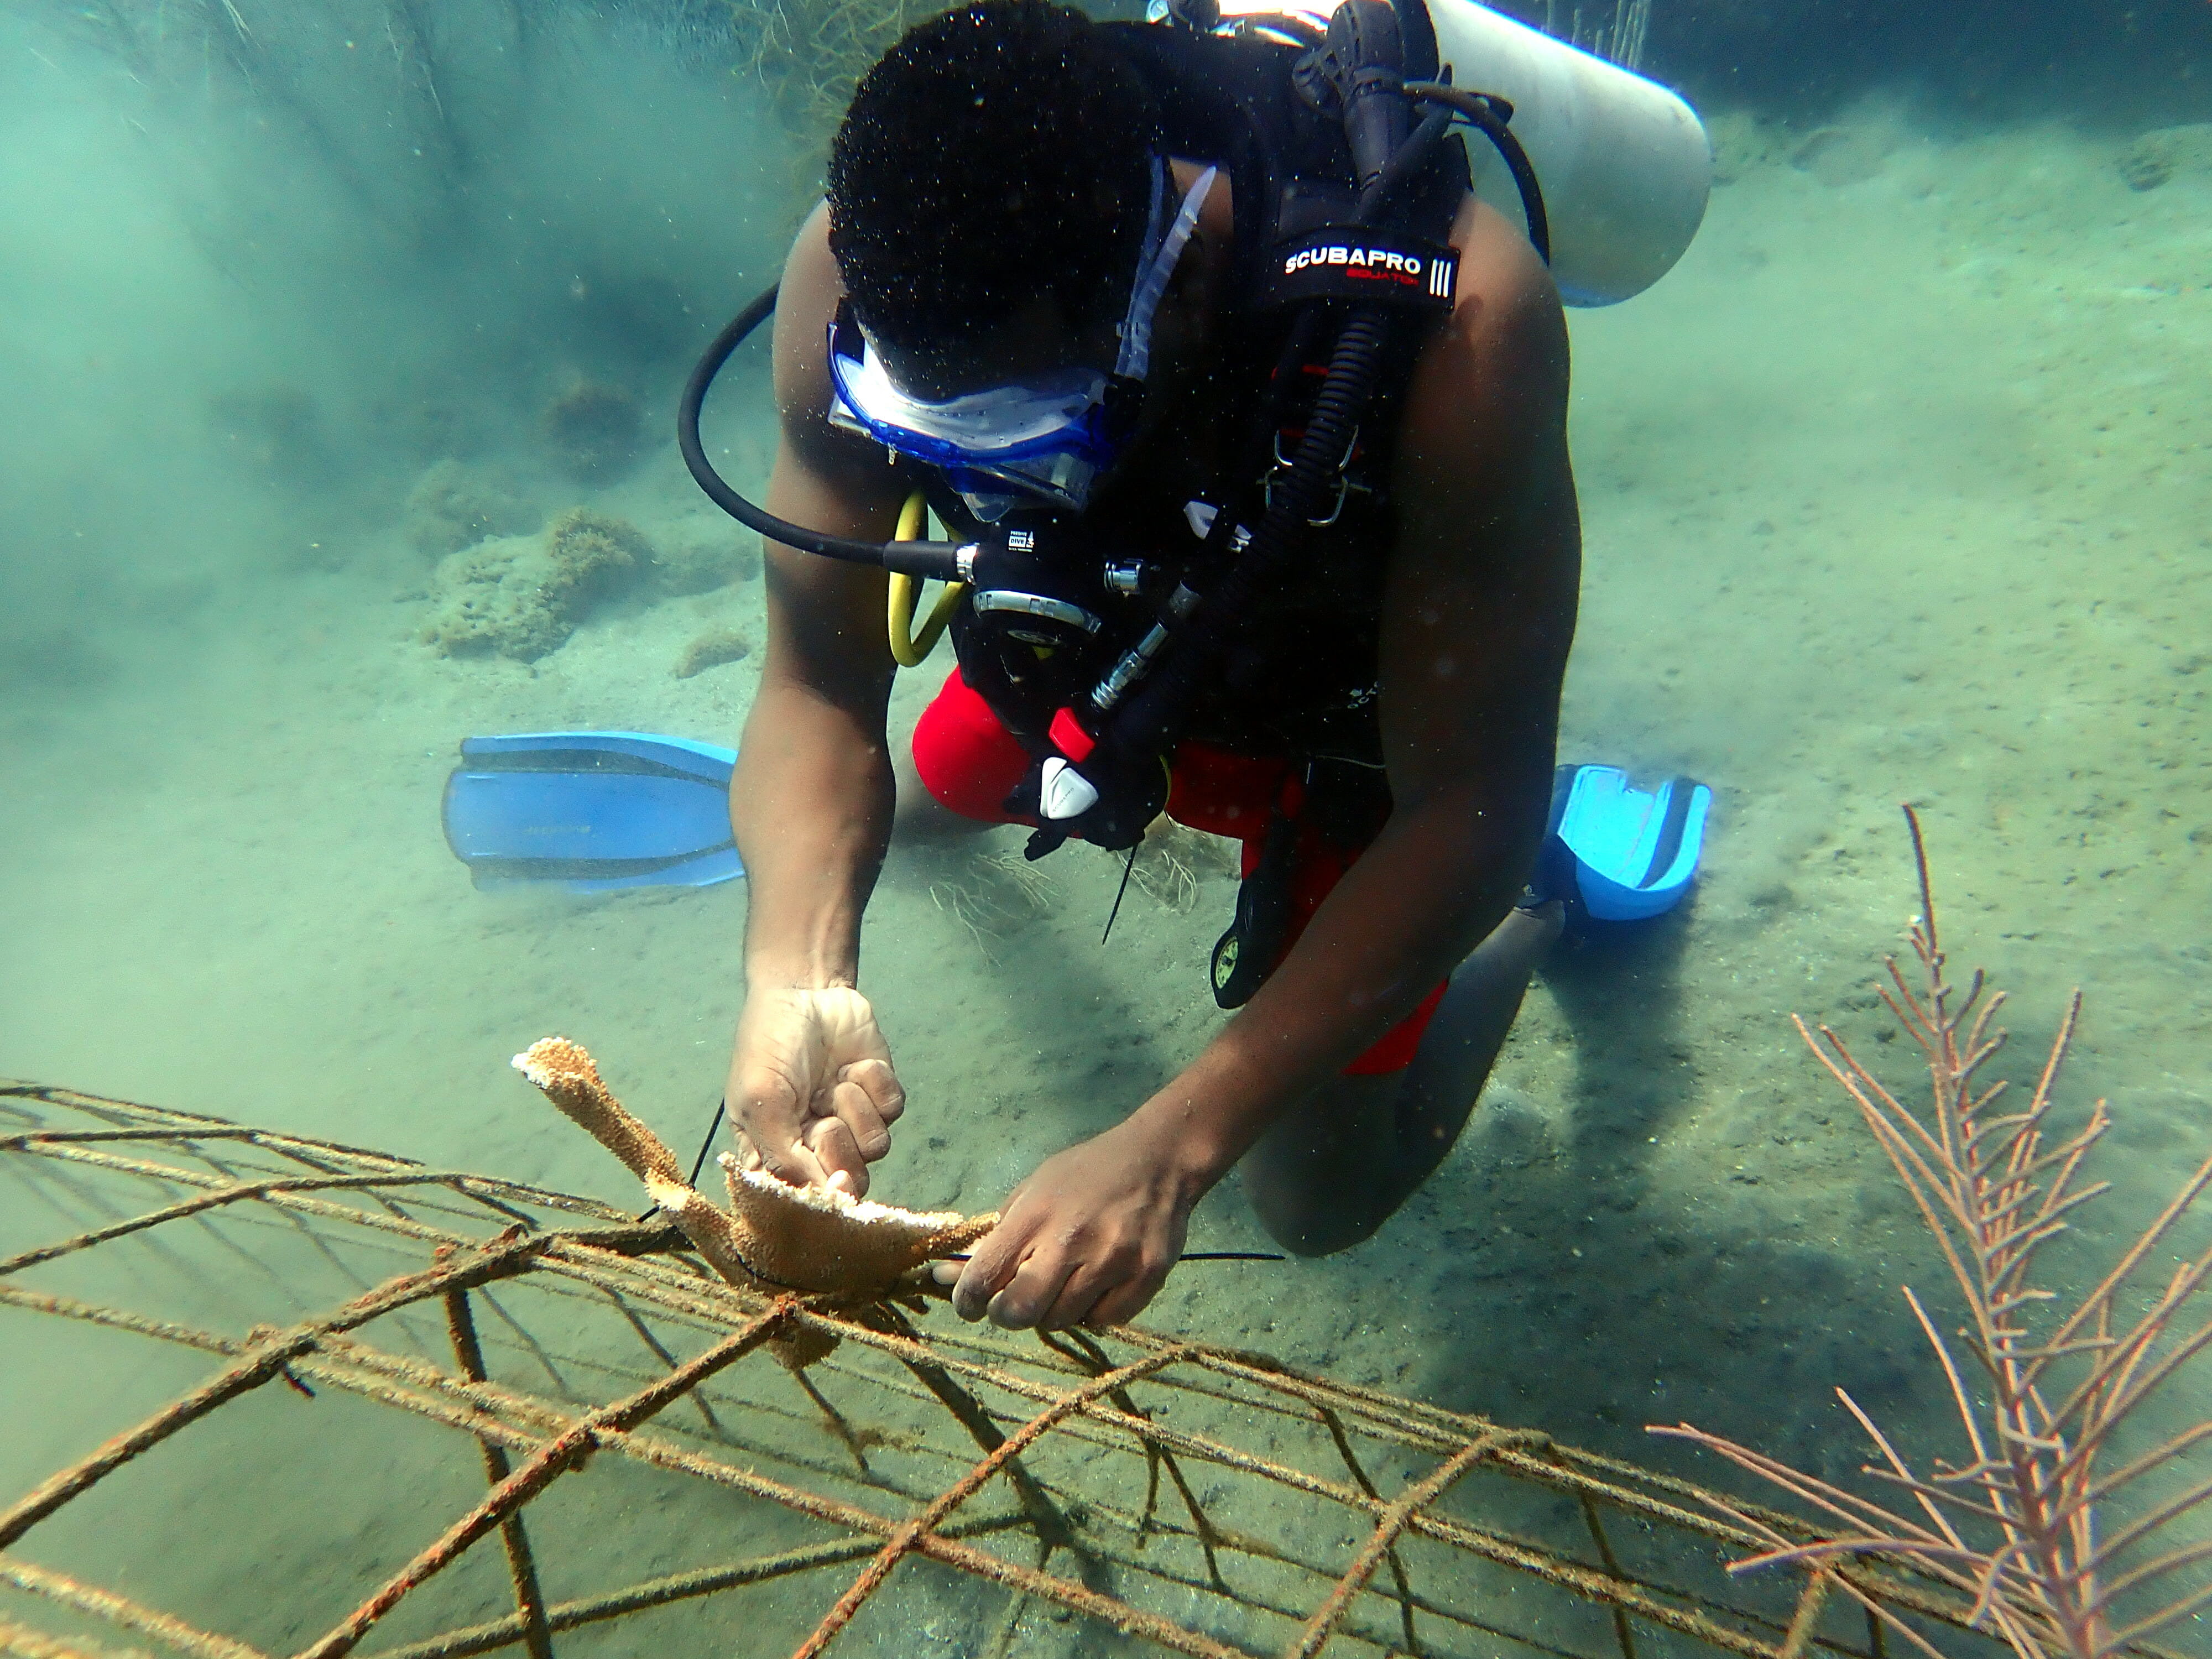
(1118, 1489)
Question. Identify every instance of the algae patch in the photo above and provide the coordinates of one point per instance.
(523, 595)
(2158, 155)
(595, 432)
(712, 650)
(454, 505)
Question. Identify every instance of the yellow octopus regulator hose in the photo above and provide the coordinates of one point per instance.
(909, 648)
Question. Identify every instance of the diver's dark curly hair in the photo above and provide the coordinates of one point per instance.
(996, 154)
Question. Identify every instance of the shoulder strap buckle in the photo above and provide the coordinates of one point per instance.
(1279, 476)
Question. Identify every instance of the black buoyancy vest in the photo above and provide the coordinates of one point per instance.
(1300, 679)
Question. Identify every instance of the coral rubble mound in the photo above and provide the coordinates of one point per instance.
(523, 595)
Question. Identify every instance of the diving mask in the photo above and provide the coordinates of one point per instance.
(1047, 440)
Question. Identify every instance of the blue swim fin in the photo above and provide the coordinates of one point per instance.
(1635, 850)
(592, 812)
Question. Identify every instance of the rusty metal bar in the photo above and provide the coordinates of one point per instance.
(1334, 1424)
(28, 1137)
(903, 1541)
(660, 1592)
(461, 1186)
(521, 1566)
(191, 1207)
(257, 1364)
(1393, 1521)
(1622, 1632)
(21, 1642)
(545, 1466)
(121, 1611)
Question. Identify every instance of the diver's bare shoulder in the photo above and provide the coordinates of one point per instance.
(806, 300)
(1490, 389)
(819, 609)
(1479, 609)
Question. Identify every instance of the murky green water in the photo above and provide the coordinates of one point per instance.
(1895, 489)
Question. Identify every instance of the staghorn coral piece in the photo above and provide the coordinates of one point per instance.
(564, 1070)
(707, 1227)
(775, 1237)
(818, 1238)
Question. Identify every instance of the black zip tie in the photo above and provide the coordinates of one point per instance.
(700, 1162)
(707, 1145)
(1127, 870)
(1192, 1255)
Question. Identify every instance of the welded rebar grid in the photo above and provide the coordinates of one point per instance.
(1036, 1444)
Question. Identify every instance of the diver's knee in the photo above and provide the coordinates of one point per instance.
(917, 816)
(1310, 1226)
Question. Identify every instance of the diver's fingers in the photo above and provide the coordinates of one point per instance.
(1111, 1282)
(1125, 1301)
(993, 1262)
(837, 1154)
(748, 1154)
(794, 1163)
(851, 1105)
(884, 1091)
(1030, 1297)
(1081, 1291)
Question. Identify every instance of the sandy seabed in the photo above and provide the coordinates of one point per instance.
(1896, 489)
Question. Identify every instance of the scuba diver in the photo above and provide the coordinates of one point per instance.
(1246, 420)
(1021, 201)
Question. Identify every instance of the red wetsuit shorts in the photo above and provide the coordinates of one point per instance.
(970, 762)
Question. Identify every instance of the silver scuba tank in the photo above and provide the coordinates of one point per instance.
(1625, 164)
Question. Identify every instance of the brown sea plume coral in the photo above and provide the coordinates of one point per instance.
(2021, 1524)
(775, 1237)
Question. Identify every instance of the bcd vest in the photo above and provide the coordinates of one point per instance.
(1299, 678)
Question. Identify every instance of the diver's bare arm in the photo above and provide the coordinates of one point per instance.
(1477, 624)
(811, 797)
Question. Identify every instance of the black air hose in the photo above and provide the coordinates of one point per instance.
(916, 558)
(1488, 115)
(1414, 154)
(1146, 724)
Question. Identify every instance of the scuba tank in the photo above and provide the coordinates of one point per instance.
(1625, 164)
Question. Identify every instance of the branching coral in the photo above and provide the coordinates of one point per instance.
(2017, 1525)
(775, 1237)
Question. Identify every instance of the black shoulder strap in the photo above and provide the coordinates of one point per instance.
(1221, 102)
(1234, 101)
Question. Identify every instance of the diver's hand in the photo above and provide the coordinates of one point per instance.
(811, 1089)
(1088, 1239)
